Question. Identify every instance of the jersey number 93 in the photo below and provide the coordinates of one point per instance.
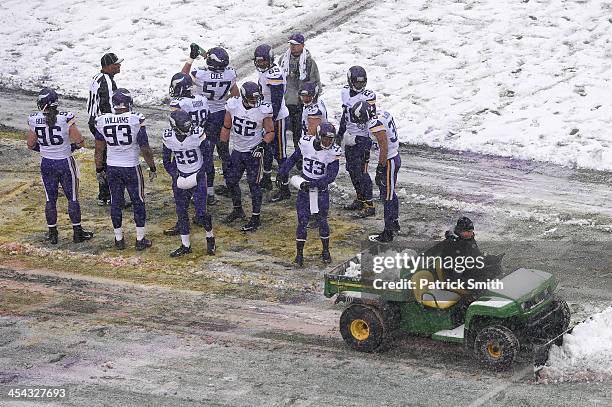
(118, 135)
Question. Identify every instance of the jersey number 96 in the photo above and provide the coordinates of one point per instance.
(52, 138)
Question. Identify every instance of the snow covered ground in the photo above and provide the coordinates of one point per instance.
(60, 43)
(586, 353)
(527, 79)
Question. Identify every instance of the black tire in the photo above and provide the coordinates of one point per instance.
(496, 347)
(362, 328)
(562, 317)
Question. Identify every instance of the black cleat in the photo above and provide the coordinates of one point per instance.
(355, 205)
(211, 200)
(237, 213)
(326, 257)
(103, 202)
(52, 236)
(180, 251)
(396, 226)
(366, 212)
(120, 244)
(80, 235)
(142, 244)
(173, 231)
(252, 225)
(223, 190)
(282, 194)
(266, 182)
(299, 261)
(385, 236)
(211, 247)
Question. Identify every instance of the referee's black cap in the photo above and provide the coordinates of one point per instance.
(109, 59)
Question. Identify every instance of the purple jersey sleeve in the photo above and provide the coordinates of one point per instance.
(142, 138)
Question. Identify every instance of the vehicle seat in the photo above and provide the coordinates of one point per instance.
(440, 299)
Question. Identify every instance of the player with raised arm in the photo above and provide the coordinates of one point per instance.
(320, 167)
(250, 123)
(123, 135)
(357, 142)
(187, 143)
(55, 135)
(273, 85)
(217, 82)
(381, 127)
(196, 106)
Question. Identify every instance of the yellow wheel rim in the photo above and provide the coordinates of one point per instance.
(360, 329)
(494, 350)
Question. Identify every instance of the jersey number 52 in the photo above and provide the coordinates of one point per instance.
(244, 127)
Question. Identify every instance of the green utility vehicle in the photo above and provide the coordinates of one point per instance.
(493, 327)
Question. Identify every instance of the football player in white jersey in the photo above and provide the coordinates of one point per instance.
(250, 122)
(314, 112)
(196, 106)
(123, 135)
(217, 82)
(357, 142)
(55, 135)
(381, 128)
(320, 167)
(273, 85)
(187, 143)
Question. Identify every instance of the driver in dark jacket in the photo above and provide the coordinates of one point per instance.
(459, 243)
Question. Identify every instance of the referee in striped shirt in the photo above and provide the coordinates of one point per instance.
(99, 102)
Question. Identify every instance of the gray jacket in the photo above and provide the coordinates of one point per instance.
(292, 72)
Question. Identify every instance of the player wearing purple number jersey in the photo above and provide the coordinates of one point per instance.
(216, 81)
(187, 144)
(273, 86)
(250, 123)
(54, 134)
(320, 167)
(357, 142)
(314, 111)
(123, 136)
(197, 107)
(381, 127)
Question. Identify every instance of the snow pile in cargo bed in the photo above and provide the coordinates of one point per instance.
(586, 353)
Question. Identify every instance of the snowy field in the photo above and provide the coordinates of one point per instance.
(527, 79)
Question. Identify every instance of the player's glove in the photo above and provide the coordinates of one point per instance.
(223, 151)
(36, 147)
(259, 150)
(101, 175)
(366, 156)
(194, 51)
(152, 174)
(74, 147)
(305, 186)
(380, 175)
